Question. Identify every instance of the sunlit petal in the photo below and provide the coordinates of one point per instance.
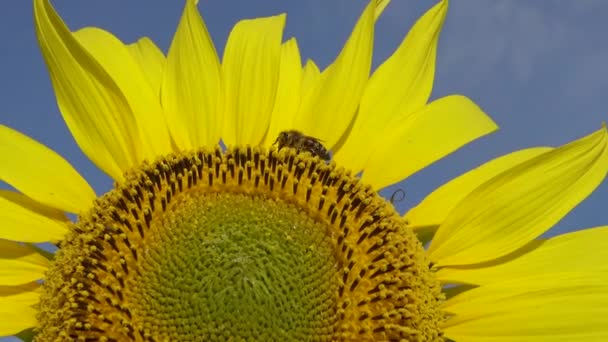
(330, 107)
(380, 6)
(92, 105)
(20, 264)
(41, 173)
(518, 205)
(399, 87)
(311, 75)
(116, 59)
(546, 307)
(250, 75)
(565, 253)
(191, 86)
(26, 220)
(151, 60)
(288, 91)
(424, 137)
(433, 210)
(17, 311)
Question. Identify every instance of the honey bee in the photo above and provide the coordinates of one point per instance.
(299, 141)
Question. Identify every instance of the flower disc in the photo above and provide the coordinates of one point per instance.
(229, 265)
(240, 245)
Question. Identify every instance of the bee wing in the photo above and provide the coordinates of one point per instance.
(315, 139)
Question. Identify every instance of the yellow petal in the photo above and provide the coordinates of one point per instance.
(328, 110)
(92, 105)
(250, 74)
(115, 58)
(399, 87)
(554, 307)
(151, 60)
(433, 210)
(380, 6)
(420, 139)
(20, 264)
(518, 205)
(311, 75)
(288, 92)
(23, 219)
(191, 85)
(17, 311)
(581, 251)
(42, 174)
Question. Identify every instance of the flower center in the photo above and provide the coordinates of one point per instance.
(229, 265)
(240, 245)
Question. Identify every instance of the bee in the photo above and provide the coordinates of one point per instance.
(299, 141)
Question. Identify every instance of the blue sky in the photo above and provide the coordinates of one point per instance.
(537, 67)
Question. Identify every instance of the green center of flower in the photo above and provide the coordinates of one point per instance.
(244, 244)
(229, 265)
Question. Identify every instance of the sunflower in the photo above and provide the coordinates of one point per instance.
(247, 241)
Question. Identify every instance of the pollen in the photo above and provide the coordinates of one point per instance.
(243, 244)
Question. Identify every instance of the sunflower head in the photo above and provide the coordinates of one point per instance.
(246, 244)
(282, 234)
